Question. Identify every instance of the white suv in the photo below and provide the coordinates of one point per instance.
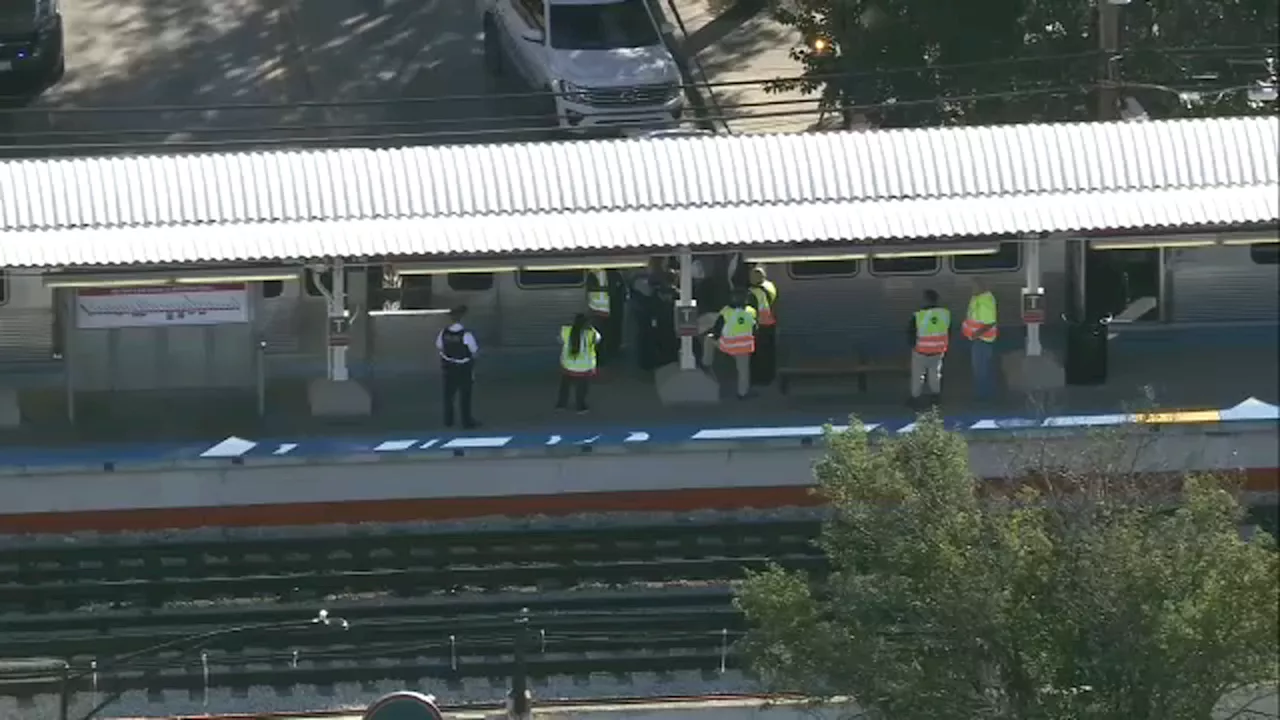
(604, 60)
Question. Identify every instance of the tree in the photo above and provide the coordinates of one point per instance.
(1082, 596)
(1024, 61)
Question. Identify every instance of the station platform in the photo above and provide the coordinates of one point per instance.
(1214, 411)
(130, 429)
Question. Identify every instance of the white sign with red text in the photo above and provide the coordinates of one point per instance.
(106, 308)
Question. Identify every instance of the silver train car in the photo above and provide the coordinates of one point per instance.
(827, 307)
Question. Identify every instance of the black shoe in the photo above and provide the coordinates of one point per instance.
(583, 410)
(471, 425)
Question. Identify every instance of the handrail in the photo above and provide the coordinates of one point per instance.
(260, 361)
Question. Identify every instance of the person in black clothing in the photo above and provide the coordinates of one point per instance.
(611, 345)
(458, 349)
(666, 342)
(610, 325)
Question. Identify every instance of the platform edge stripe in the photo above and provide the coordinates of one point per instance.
(232, 447)
(395, 445)
(477, 443)
(1169, 417)
(758, 433)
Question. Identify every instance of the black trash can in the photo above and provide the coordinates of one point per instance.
(1086, 353)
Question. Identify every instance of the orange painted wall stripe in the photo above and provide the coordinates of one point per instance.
(442, 509)
(406, 510)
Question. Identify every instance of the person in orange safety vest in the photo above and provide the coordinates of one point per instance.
(930, 335)
(734, 334)
(981, 329)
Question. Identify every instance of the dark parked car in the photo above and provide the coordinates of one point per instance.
(30, 46)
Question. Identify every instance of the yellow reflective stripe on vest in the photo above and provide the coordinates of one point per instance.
(932, 328)
(982, 311)
(738, 336)
(585, 360)
(765, 294)
(598, 301)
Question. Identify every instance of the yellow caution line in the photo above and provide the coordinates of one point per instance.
(1179, 416)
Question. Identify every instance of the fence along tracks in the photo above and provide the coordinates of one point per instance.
(445, 605)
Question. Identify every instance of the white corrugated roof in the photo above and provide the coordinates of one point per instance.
(624, 230)
(270, 194)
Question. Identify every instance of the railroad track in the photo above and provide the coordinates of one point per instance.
(444, 607)
(437, 640)
(44, 579)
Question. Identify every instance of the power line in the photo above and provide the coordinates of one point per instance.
(545, 128)
(470, 120)
(547, 94)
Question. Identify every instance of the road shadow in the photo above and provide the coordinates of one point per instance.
(200, 75)
(738, 52)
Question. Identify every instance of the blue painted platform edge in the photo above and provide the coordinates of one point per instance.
(237, 449)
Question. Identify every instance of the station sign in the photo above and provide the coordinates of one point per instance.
(687, 319)
(125, 307)
(1032, 307)
(404, 706)
(339, 332)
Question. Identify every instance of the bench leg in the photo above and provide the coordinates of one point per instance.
(784, 385)
(862, 382)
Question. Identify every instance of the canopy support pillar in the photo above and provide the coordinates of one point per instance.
(337, 394)
(681, 382)
(1033, 370)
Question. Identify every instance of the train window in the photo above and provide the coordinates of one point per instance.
(1009, 257)
(272, 288)
(4, 286)
(822, 268)
(314, 281)
(1265, 254)
(389, 290)
(551, 278)
(926, 265)
(471, 282)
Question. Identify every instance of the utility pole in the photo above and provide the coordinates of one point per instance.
(1109, 47)
(518, 703)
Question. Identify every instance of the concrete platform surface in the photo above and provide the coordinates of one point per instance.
(127, 429)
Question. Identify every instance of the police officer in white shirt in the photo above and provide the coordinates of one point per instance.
(458, 350)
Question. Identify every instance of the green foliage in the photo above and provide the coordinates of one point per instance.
(946, 602)
(1023, 61)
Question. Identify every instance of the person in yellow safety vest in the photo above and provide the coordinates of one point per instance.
(578, 361)
(735, 334)
(980, 327)
(930, 333)
(606, 312)
(764, 298)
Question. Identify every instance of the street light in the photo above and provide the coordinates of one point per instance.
(188, 643)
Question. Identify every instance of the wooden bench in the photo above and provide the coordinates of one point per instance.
(857, 367)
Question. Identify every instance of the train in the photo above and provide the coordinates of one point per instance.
(827, 305)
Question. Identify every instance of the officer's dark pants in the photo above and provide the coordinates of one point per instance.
(611, 334)
(610, 329)
(764, 361)
(458, 379)
(579, 384)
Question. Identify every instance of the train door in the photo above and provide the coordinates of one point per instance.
(1125, 284)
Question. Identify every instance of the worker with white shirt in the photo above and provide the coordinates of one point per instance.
(458, 349)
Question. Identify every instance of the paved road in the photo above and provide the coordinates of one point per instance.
(125, 54)
(736, 47)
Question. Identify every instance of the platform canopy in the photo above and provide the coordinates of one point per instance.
(639, 195)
